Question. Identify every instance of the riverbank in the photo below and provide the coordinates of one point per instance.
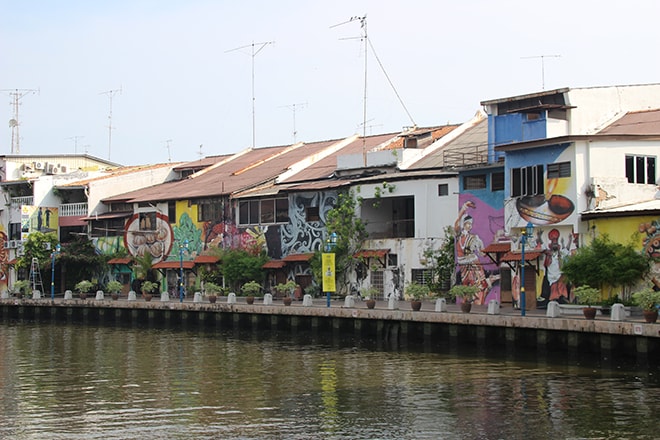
(503, 327)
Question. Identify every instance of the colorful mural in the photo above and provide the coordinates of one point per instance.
(38, 218)
(154, 237)
(302, 236)
(4, 260)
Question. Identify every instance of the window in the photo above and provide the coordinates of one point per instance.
(147, 221)
(527, 181)
(443, 189)
(497, 181)
(209, 210)
(14, 231)
(263, 212)
(121, 207)
(477, 181)
(392, 260)
(312, 214)
(171, 211)
(422, 276)
(640, 169)
(561, 169)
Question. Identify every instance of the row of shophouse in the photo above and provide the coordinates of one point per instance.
(573, 162)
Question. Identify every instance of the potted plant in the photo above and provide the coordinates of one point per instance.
(465, 294)
(250, 290)
(416, 293)
(148, 288)
(211, 290)
(587, 296)
(369, 295)
(83, 287)
(20, 288)
(647, 299)
(286, 289)
(114, 287)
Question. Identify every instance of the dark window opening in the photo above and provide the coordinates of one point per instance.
(640, 169)
(497, 181)
(474, 182)
(443, 189)
(527, 181)
(312, 214)
(557, 170)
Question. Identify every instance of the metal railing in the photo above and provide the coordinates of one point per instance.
(73, 209)
(25, 200)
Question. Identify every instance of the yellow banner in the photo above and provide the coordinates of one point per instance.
(328, 264)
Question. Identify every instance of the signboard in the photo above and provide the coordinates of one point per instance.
(328, 265)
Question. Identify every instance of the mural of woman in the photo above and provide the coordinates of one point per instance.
(468, 249)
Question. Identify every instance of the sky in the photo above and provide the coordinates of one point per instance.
(183, 79)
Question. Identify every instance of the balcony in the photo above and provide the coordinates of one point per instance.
(73, 209)
(19, 201)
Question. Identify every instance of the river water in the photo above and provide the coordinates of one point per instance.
(88, 382)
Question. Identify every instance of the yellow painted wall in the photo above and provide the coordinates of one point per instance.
(622, 229)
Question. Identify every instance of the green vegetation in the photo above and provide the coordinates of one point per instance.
(646, 299)
(587, 295)
(417, 291)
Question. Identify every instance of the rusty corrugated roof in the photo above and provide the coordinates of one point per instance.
(639, 122)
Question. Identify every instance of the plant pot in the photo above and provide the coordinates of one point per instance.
(249, 299)
(415, 305)
(287, 301)
(213, 299)
(371, 303)
(466, 307)
(147, 296)
(82, 295)
(114, 296)
(589, 312)
(650, 316)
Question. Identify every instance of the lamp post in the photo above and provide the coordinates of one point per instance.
(183, 247)
(328, 266)
(527, 232)
(52, 271)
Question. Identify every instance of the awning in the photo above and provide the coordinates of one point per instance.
(498, 248)
(12, 261)
(174, 265)
(517, 256)
(206, 259)
(371, 253)
(297, 258)
(108, 216)
(274, 264)
(124, 260)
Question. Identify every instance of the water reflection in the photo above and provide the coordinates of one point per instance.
(75, 382)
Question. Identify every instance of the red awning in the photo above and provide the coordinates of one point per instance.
(174, 265)
(124, 260)
(297, 258)
(274, 264)
(371, 253)
(206, 259)
(517, 256)
(498, 248)
(108, 216)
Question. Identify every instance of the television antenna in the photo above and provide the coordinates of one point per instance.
(110, 94)
(14, 123)
(542, 57)
(75, 142)
(294, 108)
(364, 37)
(167, 145)
(256, 48)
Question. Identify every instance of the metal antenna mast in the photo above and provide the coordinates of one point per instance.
(293, 108)
(363, 38)
(543, 57)
(110, 94)
(167, 145)
(75, 142)
(256, 48)
(14, 123)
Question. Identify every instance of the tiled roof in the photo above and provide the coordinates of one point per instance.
(640, 122)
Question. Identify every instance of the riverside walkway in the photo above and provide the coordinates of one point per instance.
(396, 323)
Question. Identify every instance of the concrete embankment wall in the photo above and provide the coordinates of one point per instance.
(393, 328)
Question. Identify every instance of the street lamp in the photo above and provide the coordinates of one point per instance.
(328, 266)
(183, 247)
(527, 232)
(52, 271)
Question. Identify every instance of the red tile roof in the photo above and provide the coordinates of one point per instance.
(370, 253)
(297, 257)
(498, 248)
(206, 259)
(274, 264)
(517, 256)
(174, 265)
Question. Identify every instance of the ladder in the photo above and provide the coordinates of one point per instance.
(35, 277)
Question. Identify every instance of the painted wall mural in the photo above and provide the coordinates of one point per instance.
(4, 260)
(302, 236)
(154, 237)
(39, 219)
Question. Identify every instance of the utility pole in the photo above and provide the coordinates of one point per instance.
(293, 108)
(542, 57)
(14, 123)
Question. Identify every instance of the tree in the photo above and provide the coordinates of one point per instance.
(604, 263)
(442, 262)
(81, 262)
(40, 246)
(351, 233)
(240, 266)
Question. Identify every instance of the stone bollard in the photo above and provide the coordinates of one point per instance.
(349, 302)
(231, 298)
(618, 312)
(553, 310)
(132, 296)
(197, 297)
(5, 294)
(68, 294)
(392, 303)
(99, 295)
(268, 299)
(441, 305)
(307, 300)
(493, 307)
(164, 296)
(36, 294)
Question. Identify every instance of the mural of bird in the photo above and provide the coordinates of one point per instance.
(601, 196)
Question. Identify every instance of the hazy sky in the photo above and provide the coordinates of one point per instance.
(181, 70)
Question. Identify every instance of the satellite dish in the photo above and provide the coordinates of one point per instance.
(13, 123)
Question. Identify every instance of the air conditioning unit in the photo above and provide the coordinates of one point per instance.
(63, 169)
(11, 244)
(38, 165)
(49, 168)
(55, 170)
